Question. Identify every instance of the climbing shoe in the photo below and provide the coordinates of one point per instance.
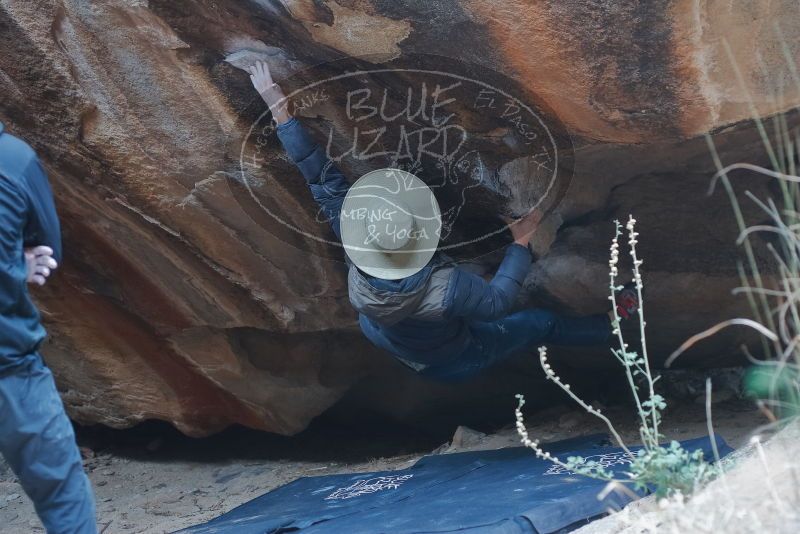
(627, 301)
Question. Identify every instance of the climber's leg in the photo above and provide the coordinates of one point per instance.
(497, 340)
(38, 442)
(534, 326)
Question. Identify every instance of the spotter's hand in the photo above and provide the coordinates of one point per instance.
(39, 263)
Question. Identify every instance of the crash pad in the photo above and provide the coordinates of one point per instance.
(505, 491)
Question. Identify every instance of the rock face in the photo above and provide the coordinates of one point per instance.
(181, 300)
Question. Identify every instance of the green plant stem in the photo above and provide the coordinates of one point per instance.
(638, 282)
(623, 346)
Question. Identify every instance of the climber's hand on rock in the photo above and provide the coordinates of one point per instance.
(522, 229)
(39, 264)
(269, 91)
(261, 77)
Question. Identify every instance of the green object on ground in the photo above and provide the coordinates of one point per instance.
(777, 383)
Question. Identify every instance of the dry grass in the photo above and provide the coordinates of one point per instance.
(760, 492)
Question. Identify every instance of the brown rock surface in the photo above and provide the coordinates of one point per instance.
(180, 300)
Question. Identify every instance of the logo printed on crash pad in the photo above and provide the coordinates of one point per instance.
(367, 486)
(601, 460)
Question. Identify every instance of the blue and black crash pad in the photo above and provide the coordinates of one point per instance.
(505, 491)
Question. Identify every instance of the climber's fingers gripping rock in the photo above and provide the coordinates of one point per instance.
(261, 77)
(523, 228)
(270, 91)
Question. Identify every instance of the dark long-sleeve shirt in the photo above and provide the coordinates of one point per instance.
(27, 218)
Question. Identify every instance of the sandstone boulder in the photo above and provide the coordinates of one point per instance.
(182, 299)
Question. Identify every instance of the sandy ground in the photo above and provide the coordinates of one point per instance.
(152, 480)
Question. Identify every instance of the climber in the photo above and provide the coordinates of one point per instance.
(36, 437)
(438, 319)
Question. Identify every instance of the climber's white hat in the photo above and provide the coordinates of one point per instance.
(390, 223)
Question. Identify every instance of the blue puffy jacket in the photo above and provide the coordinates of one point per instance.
(27, 218)
(422, 319)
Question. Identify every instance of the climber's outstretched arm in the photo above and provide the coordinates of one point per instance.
(471, 297)
(324, 179)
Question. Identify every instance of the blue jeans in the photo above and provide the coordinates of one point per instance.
(37, 440)
(495, 341)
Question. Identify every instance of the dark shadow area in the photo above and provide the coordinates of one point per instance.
(344, 436)
(324, 441)
(351, 432)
